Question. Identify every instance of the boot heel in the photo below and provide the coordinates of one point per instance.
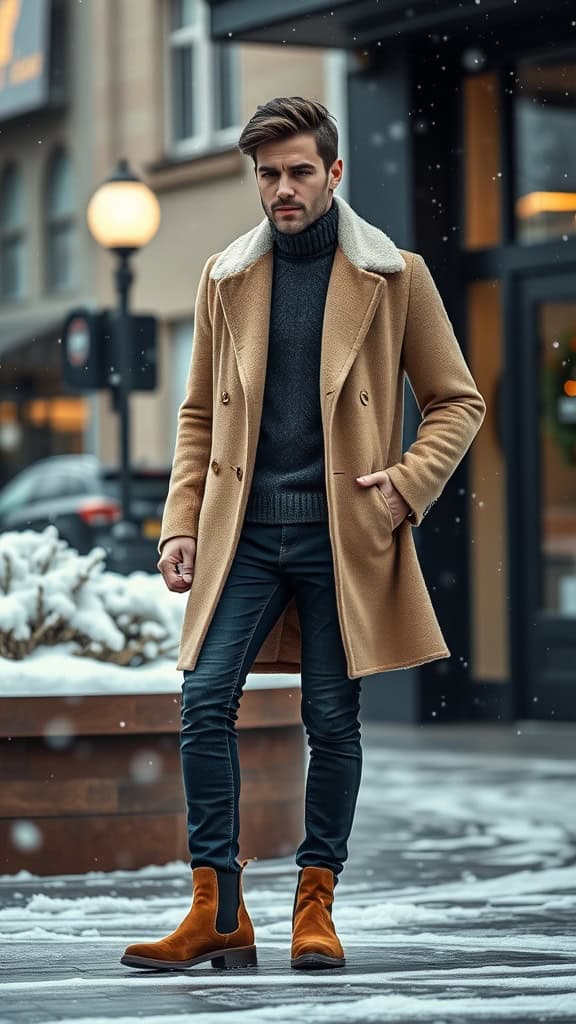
(245, 957)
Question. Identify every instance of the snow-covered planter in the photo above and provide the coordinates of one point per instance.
(90, 771)
(49, 595)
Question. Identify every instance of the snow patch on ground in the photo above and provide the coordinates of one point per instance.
(458, 904)
(391, 1007)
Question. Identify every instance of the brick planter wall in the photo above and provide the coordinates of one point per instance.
(79, 769)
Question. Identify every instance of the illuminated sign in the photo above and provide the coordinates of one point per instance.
(24, 42)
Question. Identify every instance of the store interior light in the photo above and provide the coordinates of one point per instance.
(534, 203)
(68, 414)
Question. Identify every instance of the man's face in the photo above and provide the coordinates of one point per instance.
(295, 189)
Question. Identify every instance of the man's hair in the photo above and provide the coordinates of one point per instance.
(288, 115)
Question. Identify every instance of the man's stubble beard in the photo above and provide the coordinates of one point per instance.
(302, 227)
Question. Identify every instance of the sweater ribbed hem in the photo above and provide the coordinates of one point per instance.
(295, 507)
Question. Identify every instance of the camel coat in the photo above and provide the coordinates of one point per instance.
(384, 318)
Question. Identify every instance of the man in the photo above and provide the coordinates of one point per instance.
(290, 511)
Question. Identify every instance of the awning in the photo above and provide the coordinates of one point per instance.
(296, 22)
(25, 330)
(349, 24)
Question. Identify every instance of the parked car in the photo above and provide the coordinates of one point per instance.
(82, 498)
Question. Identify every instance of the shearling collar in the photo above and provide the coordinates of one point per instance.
(365, 245)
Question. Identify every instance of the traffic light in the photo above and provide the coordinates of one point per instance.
(82, 350)
(89, 351)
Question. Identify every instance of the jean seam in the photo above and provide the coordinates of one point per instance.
(255, 627)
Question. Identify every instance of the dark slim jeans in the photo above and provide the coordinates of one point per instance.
(272, 562)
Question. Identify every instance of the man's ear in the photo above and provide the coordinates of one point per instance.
(336, 180)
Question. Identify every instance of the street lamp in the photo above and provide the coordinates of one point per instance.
(123, 215)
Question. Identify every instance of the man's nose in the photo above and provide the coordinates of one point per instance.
(284, 188)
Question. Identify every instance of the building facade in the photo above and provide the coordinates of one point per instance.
(83, 84)
(462, 143)
(457, 134)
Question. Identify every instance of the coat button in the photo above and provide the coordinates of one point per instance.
(364, 397)
(214, 465)
(239, 472)
(225, 397)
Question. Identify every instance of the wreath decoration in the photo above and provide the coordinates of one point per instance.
(560, 387)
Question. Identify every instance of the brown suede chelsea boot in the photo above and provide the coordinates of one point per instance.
(216, 928)
(314, 939)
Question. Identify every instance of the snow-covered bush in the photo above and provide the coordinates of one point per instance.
(49, 594)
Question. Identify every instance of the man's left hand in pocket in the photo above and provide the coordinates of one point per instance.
(398, 507)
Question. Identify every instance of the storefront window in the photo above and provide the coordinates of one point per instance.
(54, 426)
(482, 172)
(557, 374)
(545, 157)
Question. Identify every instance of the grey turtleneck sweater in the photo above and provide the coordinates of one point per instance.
(288, 483)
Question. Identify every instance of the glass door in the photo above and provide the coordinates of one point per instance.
(542, 390)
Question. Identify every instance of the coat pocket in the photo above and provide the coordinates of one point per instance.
(386, 506)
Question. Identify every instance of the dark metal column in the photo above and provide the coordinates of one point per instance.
(405, 169)
(122, 334)
(381, 191)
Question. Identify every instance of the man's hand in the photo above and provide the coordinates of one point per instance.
(398, 507)
(177, 563)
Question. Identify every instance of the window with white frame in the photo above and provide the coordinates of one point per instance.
(61, 229)
(202, 82)
(12, 234)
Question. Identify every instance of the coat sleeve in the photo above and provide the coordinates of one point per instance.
(450, 404)
(194, 432)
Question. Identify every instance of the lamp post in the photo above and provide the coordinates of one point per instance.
(123, 215)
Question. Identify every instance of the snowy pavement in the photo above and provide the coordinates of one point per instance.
(457, 904)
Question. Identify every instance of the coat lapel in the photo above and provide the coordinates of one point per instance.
(245, 299)
(351, 302)
(352, 297)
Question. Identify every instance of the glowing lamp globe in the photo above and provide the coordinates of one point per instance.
(123, 213)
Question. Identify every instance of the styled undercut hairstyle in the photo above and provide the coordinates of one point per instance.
(285, 116)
